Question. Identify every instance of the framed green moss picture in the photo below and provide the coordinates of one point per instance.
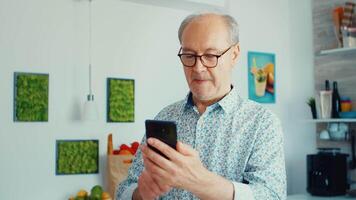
(31, 97)
(120, 100)
(77, 157)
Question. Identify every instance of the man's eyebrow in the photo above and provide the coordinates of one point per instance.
(211, 49)
(191, 50)
(187, 49)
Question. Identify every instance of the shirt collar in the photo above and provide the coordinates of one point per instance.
(227, 103)
(189, 101)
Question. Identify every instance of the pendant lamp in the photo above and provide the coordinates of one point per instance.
(90, 108)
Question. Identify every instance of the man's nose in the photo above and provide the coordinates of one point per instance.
(198, 67)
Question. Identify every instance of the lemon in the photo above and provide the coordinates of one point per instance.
(82, 193)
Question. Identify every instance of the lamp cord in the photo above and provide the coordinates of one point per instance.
(90, 41)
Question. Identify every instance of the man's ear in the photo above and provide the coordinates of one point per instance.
(235, 53)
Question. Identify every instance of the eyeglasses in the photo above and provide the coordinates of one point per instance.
(208, 60)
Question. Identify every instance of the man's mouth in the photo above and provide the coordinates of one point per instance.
(200, 80)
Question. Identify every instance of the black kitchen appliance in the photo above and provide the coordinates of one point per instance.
(327, 173)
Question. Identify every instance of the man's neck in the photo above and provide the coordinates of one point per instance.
(203, 104)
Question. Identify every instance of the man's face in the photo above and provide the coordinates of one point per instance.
(209, 35)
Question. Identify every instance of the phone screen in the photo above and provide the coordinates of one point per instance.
(166, 131)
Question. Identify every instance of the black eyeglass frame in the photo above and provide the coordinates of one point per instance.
(200, 57)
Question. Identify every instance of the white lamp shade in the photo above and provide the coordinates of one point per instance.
(90, 111)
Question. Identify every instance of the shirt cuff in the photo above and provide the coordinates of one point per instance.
(127, 194)
(242, 191)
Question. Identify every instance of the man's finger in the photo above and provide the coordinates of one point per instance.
(185, 149)
(144, 191)
(150, 185)
(159, 184)
(156, 158)
(160, 178)
(154, 169)
(171, 153)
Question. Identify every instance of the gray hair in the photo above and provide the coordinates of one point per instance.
(230, 22)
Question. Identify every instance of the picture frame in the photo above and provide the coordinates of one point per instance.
(31, 93)
(77, 157)
(261, 77)
(120, 100)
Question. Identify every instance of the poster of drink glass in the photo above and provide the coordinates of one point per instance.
(261, 77)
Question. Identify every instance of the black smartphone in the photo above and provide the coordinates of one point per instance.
(166, 131)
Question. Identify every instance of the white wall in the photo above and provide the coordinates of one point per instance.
(279, 27)
(130, 41)
(300, 137)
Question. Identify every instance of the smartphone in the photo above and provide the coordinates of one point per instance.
(166, 131)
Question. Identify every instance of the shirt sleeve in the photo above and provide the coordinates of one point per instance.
(242, 191)
(128, 193)
(265, 169)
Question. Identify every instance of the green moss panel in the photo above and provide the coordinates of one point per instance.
(31, 97)
(77, 157)
(121, 100)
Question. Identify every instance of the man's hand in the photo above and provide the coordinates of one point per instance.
(147, 188)
(183, 169)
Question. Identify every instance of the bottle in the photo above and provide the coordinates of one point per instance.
(336, 102)
(327, 85)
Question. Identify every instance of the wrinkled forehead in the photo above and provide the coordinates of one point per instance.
(206, 33)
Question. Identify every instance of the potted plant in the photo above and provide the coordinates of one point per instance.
(311, 103)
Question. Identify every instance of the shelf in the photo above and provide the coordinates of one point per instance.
(332, 120)
(338, 51)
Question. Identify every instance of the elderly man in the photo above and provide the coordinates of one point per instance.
(228, 147)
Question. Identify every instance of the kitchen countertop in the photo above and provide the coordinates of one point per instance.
(309, 197)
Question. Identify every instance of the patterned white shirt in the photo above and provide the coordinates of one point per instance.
(237, 139)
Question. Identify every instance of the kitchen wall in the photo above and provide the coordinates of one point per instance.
(140, 42)
(300, 135)
(280, 27)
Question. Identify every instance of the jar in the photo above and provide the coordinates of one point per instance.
(348, 36)
(346, 104)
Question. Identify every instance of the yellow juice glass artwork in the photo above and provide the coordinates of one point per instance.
(260, 82)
